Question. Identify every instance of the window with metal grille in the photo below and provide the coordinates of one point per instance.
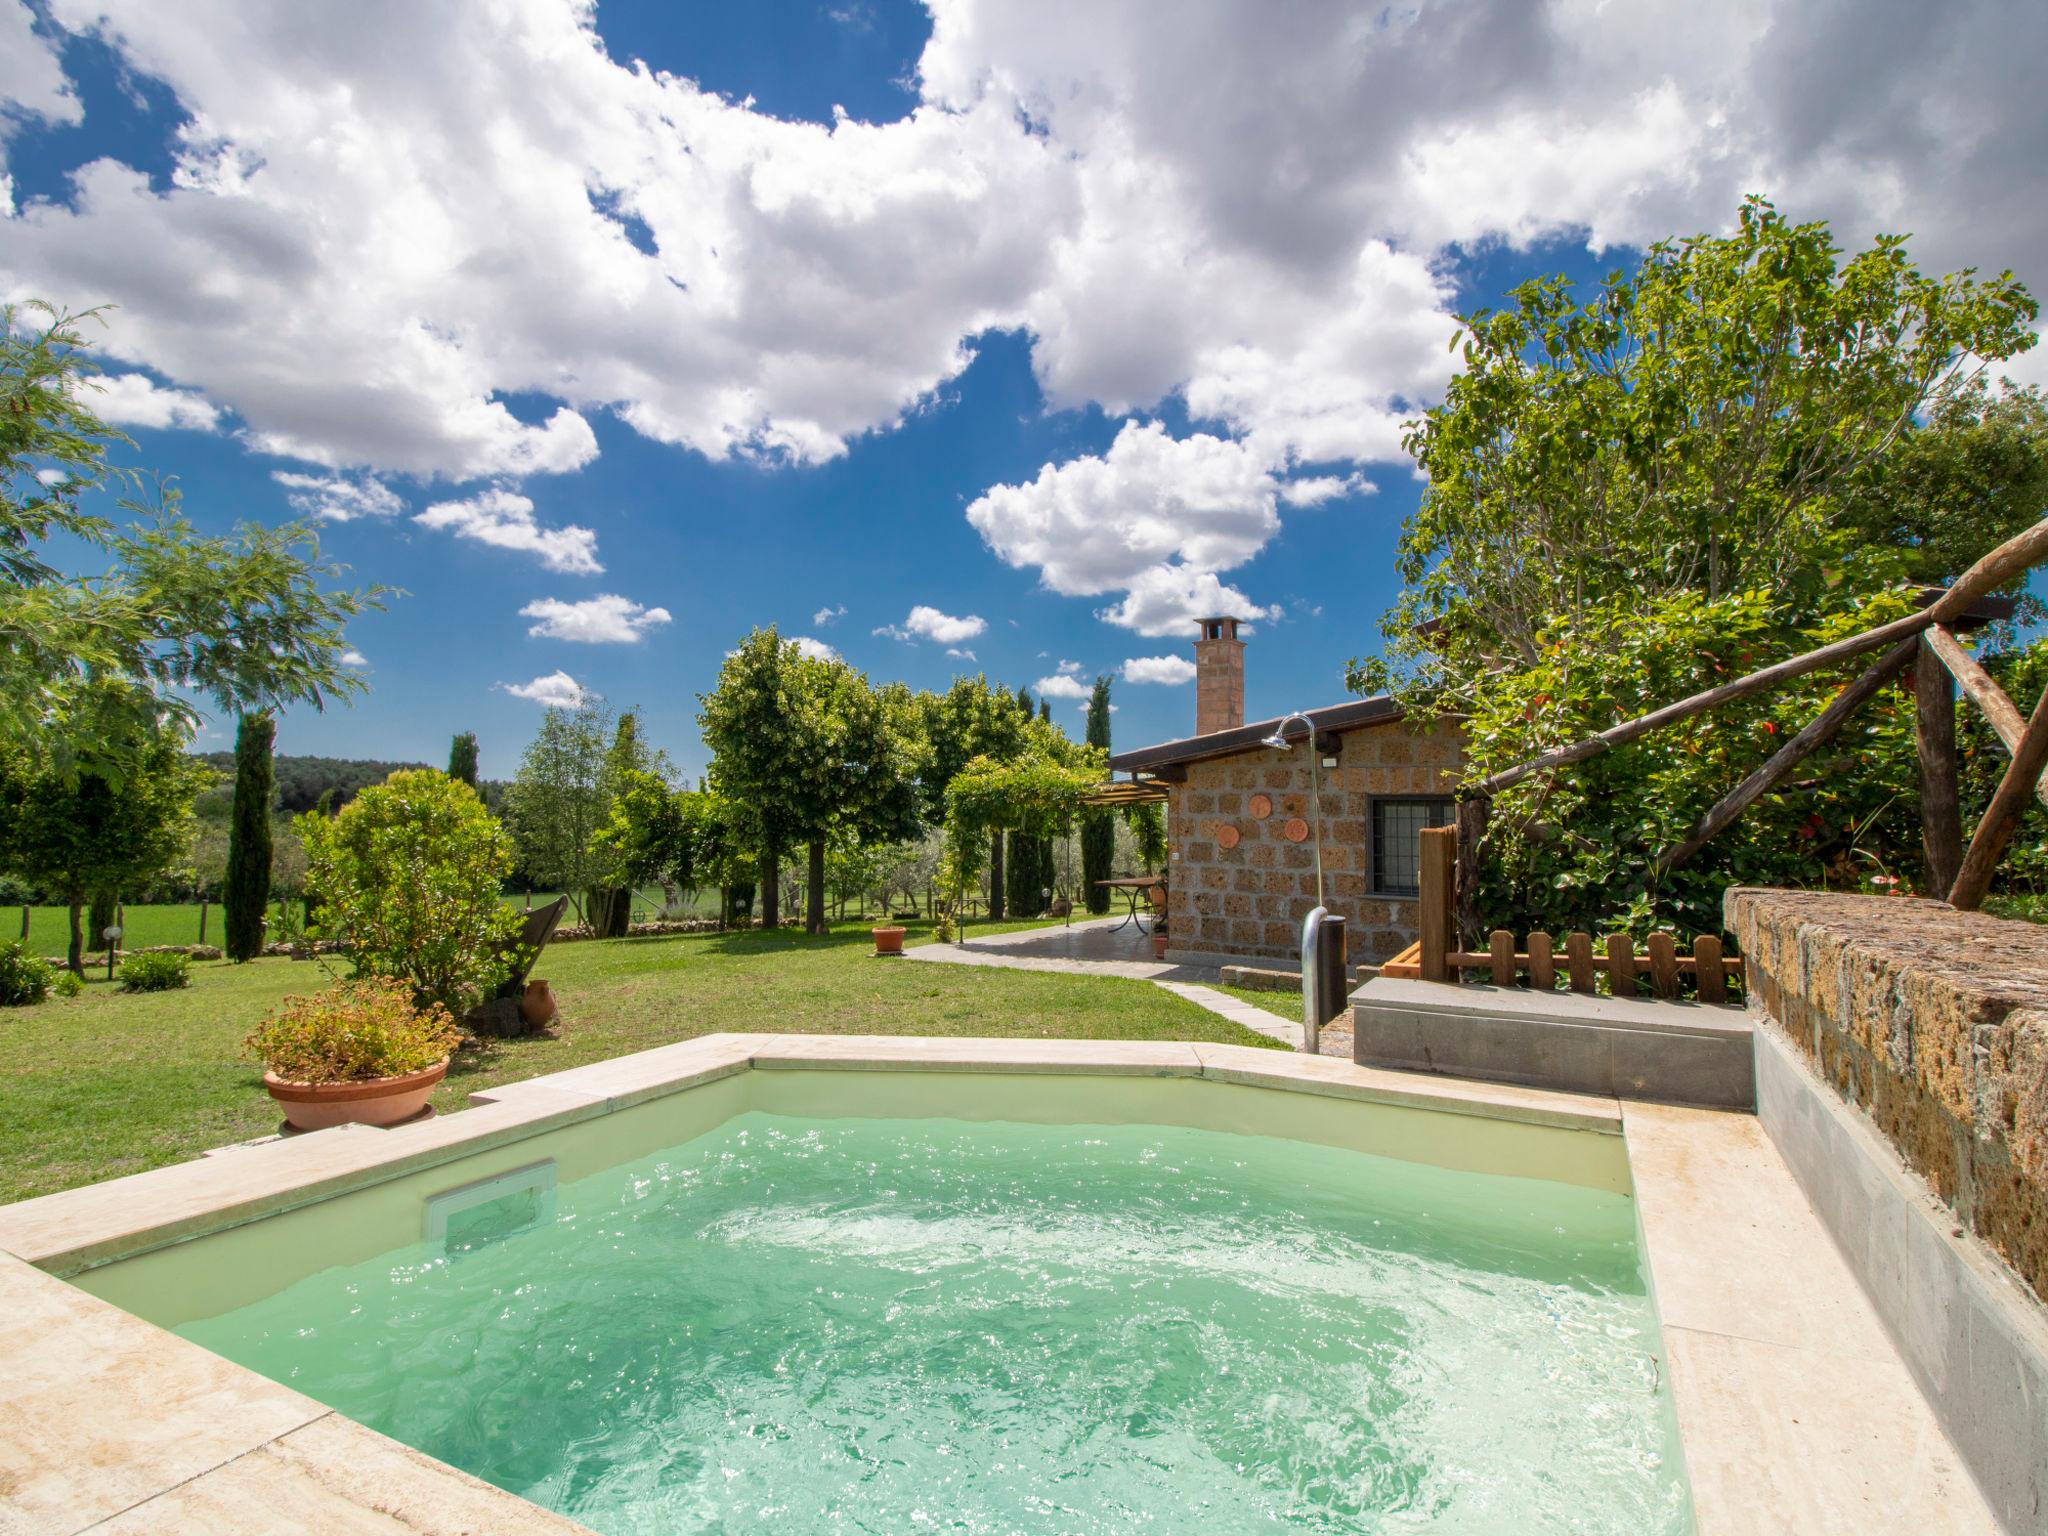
(1397, 823)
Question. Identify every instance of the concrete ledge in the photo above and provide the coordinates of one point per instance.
(1674, 1052)
(1974, 1338)
(1258, 978)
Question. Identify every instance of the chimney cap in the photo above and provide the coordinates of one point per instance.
(1219, 626)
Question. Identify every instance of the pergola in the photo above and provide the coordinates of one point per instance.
(1121, 794)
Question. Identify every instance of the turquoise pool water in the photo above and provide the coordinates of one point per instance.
(897, 1326)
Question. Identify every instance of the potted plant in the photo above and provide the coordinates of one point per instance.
(889, 940)
(363, 1052)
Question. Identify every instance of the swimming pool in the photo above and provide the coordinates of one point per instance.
(821, 1313)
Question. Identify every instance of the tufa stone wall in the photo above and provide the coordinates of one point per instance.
(1932, 1022)
(1250, 900)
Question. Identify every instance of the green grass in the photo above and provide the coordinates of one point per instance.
(112, 1083)
(1286, 1004)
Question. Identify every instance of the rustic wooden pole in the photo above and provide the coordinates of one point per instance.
(1578, 956)
(1621, 965)
(1663, 964)
(1542, 964)
(1707, 970)
(2003, 814)
(1438, 875)
(1934, 739)
(2017, 554)
(1818, 730)
(2000, 711)
(1500, 947)
(1472, 814)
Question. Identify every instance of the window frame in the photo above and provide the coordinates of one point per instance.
(1372, 839)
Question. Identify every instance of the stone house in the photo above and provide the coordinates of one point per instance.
(1241, 859)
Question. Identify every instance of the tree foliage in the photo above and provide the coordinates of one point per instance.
(805, 749)
(462, 759)
(1098, 830)
(90, 666)
(1743, 448)
(560, 798)
(407, 876)
(245, 892)
(74, 834)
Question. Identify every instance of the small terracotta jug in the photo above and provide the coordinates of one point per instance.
(537, 1005)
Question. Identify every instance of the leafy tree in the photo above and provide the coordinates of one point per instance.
(805, 749)
(462, 759)
(244, 620)
(560, 798)
(1740, 450)
(407, 877)
(1098, 831)
(74, 833)
(971, 719)
(246, 892)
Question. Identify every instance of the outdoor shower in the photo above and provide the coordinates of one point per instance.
(1322, 933)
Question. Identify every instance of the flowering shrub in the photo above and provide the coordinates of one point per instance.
(407, 878)
(358, 1030)
(155, 973)
(24, 978)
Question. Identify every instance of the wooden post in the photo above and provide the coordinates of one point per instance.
(2003, 814)
(1542, 972)
(1999, 710)
(1663, 964)
(1934, 736)
(1706, 968)
(1472, 814)
(1817, 730)
(1500, 946)
(1621, 965)
(1578, 954)
(1438, 876)
(2021, 552)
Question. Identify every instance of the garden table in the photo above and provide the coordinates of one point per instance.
(1132, 886)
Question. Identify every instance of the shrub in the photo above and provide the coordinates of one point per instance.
(68, 984)
(155, 973)
(407, 878)
(24, 978)
(353, 1032)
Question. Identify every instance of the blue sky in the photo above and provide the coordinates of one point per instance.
(1088, 322)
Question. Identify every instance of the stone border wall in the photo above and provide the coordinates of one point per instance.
(1931, 1022)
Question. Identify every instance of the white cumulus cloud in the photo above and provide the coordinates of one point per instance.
(1159, 669)
(814, 648)
(338, 498)
(828, 614)
(558, 690)
(354, 658)
(1062, 685)
(135, 400)
(505, 520)
(607, 619)
(927, 623)
(30, 76)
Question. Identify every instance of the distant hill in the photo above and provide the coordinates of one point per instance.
(302, 780)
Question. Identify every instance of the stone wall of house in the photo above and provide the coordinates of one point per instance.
(1934, 1024)
(1250, 900)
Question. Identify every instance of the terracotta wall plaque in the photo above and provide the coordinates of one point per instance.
(1262, 805)
(1226, 837)
(1296, 830)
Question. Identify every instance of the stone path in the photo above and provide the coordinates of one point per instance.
(1099, 947)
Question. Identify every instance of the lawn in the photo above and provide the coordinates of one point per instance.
(112, 1083)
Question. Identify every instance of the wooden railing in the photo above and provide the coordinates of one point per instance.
(1436, 957)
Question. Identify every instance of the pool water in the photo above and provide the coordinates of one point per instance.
(932, 1325)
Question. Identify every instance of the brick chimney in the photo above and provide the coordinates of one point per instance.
(1219, 676)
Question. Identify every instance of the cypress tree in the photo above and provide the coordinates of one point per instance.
(1098, 832)
(245, 893)
(462, 759)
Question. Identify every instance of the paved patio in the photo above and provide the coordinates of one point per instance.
(1110, 946)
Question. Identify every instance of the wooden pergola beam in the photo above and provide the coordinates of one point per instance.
(2002, 817)
(2019, 553)
(1817, 730)
(2000, 711)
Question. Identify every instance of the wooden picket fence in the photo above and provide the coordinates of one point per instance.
(1434, 957)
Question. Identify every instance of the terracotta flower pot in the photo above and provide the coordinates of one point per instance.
(888, 941)
(375, 1101)
(537, 1005)
(1158, 946)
